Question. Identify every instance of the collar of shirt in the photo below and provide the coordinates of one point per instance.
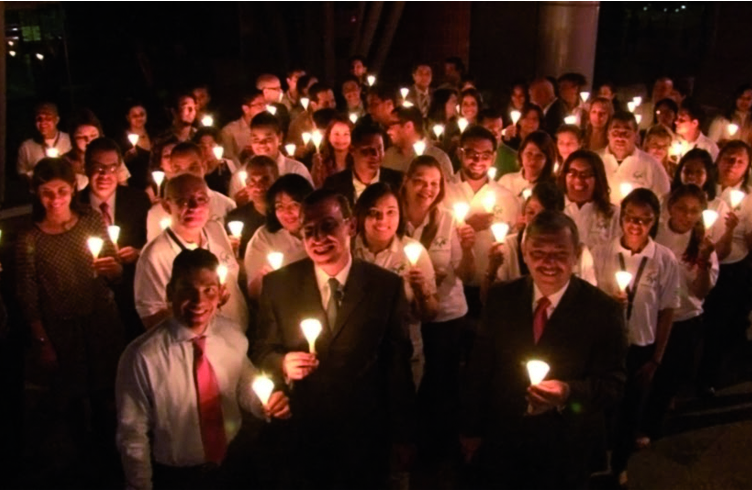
(322, 279)
(648, 251)
(365, 252)
(554, 298)
(545, 109)
(181, 333)
(96, 202)
(190, 246)
(635, 154)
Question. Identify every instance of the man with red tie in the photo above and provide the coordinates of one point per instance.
(180, 386)
(542, 436)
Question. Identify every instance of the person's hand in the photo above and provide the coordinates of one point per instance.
(128, 255)
(441, 274)
(318, 170)
(278, 406)
(46, 356)
(108, 267)
(480, 221)
(469, 447)
(706, 248)
(243, 196)
(645, 374)
(298, 365)
(467, 237)
(235, 244)
(495, 257)
(621, 298)
(732, 221)
(417, 280)
(509, 132)
(403, 456)
(547, 395)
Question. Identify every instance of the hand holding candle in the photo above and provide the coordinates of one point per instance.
(133, 138)
(732, 129)
(413, 251)
(736, 197)
(311, 330)
(500, 231)
(236, 228)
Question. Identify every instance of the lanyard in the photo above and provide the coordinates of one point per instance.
(632, 290)
(180, 243)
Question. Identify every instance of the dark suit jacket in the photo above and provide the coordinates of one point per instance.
(131, 207)
(361, 396)
(554, 117)
(342, 182)
(584, 343)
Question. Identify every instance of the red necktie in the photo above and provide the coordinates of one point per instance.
(540, 317)
(105, 208)
(209, 405)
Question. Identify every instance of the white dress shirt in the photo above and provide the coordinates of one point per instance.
(506, 208)
(322, 280)
(639, 169)
(111, 201)
(154, 269)
(360, 187)
(554, 299)
(264, 242)
(396, 159)
(690, 306)
(657, 290)
(739, 249)
(595, 229)
(156, 396)
(219, 206)
(30, 152)
(702, 142)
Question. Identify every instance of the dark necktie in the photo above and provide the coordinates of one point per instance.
(540, 317)
(335, 298)
(105, 208)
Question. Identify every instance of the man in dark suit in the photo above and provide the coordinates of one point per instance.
(543, 95)
(353, 398)
(523, 436)
(367, 150)
(122, 206)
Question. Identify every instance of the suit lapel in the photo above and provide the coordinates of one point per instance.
(355, 292)
(309, 297)
(525, 315)
(566, 309)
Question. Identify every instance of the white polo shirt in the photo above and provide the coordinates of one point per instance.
(639, 169)
(445, 254)
(263, 242)
(595, 229)
(31, 152)
(219, 206)
(739, 249)
(690, 306)
(702, 142)
(515, 182)
(506, 208)
(154, 269)
(658, 288)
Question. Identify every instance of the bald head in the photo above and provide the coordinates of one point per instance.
(542, 92)
(183, 184)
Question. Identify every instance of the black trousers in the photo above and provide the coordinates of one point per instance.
(202, 477)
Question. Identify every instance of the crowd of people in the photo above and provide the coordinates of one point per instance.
(407, 282)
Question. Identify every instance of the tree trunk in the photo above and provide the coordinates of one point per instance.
(371, 24)
(357, 32)
(330, 61)
(386, 39)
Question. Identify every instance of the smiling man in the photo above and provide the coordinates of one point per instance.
(354, 397)
(541, 436)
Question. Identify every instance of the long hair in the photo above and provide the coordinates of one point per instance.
(698, 231)
(47, 170)
(731, 109)
(546, 145)
(432, 228)
(369, 198)
(601, 191)
(698, 154)
(437, 110)
(295, 186)
(327, 150)
(588, 126)
(643, 197)
(471, 92)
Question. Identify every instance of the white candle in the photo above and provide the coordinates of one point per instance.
(304, 102)
(736, 197)
(404, 91)
(419, 147)
(499, 231)
(460, 211)
(709, 218)
(515, 116)
(218, 152)
(95, 245)
(462, 123)
(133, 138)
(526, 193)
(623, 278)
(165, 223)
(625, 188)
(317, 138)
(637, 100)
(584, 96)
(306, 137)
(570, 120)
(158, 177)
(489, 201)
(114, 232)
(638, 118)
(492, 173)
(207, 120)
(290, 149)
(438, 129)
(413, 251)
(631, 106)
(222, 273)
(676, 148)
(271, 110)
(52, 152)
(243, 175)
(732, 129)
(275, 259)
(263, 387)
(537, 370)
(311, 330)
(407, 104)
(353, 117)
(40, 56)
(371, 80)
(236, 228)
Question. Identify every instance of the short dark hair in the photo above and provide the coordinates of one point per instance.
(85, 117)
(420, 63)
(178, 180)
(323, 117)
(184, 148)
(489, 114)
(575, 78)
(266, 120)
(549, 195)
(250, 95)
(477, 132)
(295, 186)
(263, 161)
(189, 261)
(316, 89)
(321, 195)
(384, 92)
(643, 197)
(49, 169)
(369, 198)
(100, 145)
(625, 117)
(693, 110)
(180, 96)
(671, 103)
(550, 222)
(363, 131)
(706, 159)
(410, 114)
(207, 131)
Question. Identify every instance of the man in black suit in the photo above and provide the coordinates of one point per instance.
(367, 150)
(523, 436)
(543, 95)
(353, 398)
(122, 206)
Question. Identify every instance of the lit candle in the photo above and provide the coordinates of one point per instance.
(133, 138)
(631, 106)
(243, 175)
(236, 228)
(638, 118)
(637, 100)
(419, 147)
(570, 120)
(492, 173)
(676, 149)
(12, 53)
(526, 193)
(460, 211)
(271, 110)
(732, 129)
(404, 91)
(207, 120)
(263, 387)
(158, 177)
(95, 245)
(736, 197)
(623, 278)
(413, 251)
(462, 123)
(556, 168)
(625, 188)
(515, 116)
(584, 96)
(537, 371)
(499, 231)
(438, 130)
(165, 223)
(114, 232)
(371, 80)
(40, 56)
(407, 104)
(311, 330)
(306, 137)
(275, 259)
(304, 102)
(489, 201)
(317, 138)
(222, 273)
(52, 152)
(218, 152)
(353, 117)
(709, 218)
(290, 149)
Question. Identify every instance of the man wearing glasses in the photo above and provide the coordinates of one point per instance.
(628, 167)
(353, 398)
(236, 136)
(271, 87)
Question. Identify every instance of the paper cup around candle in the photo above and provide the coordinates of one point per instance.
(52, 152)
(625, 188)
(489, 202)
(353, 117)
(515, 115)
(95, 245)
(638, 118)
(736, 197)
(158, 177)
(537, 370)
(732, 129)
(460, 211)
(133, 138)
(413, 251)
(271, 110)
(263, 387)
(637, 100)
(623, 278)
(492, 173)
(290, 149)
(275, 259)
(207, 121)
(317, 138)
(462, 123)
(304, 102)
(371, 80)
(404, 91)
(438, 129)
(236, 228)
(584, 96)
(500, 231)
(570, 120)
(311, 329)
(306, 137)
(218, 152)
(165, 223)
(419, 147)
(114, 232)
(222, 273)
(709, 218)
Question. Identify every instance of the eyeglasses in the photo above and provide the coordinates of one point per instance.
(634, 220)
(197, 201)
(105, 169)
(483, 156)
(621, 133)
(575, 174)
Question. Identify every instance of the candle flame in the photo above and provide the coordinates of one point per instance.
(736, 197)
(709, 218)
(133, 138)
(460, 211)
(732, 129)
(304, 102)
(623, 278)
(114, 232)
(158, 177)
(275, 259)
(438, 129)
(218, 152)
(492, 173)
(207, 121)
(311, 330)
(222, 272)
(236, 228)
(500, 231)
(306, 137)
(404, 91)
(537, 370)
(584, 96)
(462, 123)
(413, 251)
(290, 149)
(515, 116)
(263, 387)
(95, 245)
(419, 147)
